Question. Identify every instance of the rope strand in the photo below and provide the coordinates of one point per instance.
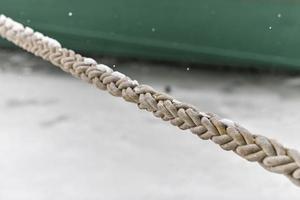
(229, 135)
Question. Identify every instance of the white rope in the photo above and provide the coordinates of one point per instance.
(229, 135)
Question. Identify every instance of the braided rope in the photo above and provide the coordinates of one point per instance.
(229, 135)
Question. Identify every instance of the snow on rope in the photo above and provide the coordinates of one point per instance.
(229, 135)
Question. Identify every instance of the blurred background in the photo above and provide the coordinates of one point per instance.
(60, 138)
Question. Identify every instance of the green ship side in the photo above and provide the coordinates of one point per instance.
(218, 32)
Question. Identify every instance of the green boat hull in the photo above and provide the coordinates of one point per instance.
(218, 32)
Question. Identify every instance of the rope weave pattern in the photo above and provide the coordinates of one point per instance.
(229, 135)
